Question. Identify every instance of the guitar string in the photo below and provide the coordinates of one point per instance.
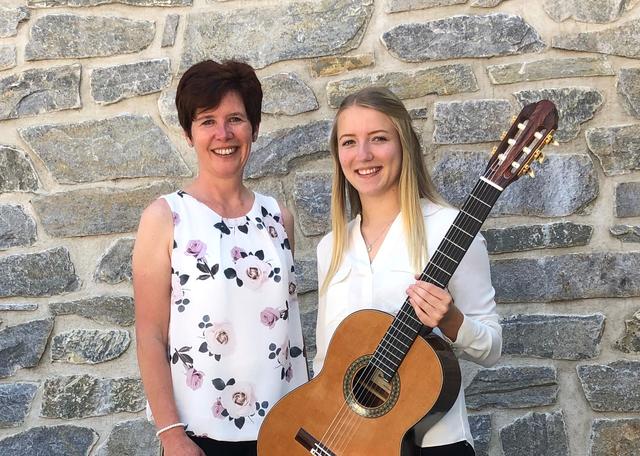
(370, 369)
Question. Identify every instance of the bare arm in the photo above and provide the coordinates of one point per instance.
(152, 293)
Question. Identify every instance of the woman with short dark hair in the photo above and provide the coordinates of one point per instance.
(217, 321)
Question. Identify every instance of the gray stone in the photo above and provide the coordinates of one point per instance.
(457, 172)
(82, 396)
(575, 106)
(619, 437)
(630, 340)
(513, 387)
(536, 434)
(168, 110)
(170, 30)
(273, 153)
(539, 70)
(15, 403)
(115, 83)
(125, 146)
(471, 121)
(133, 437)
(16, 171)
(627, 197)
(620, 40)
(419, 113)
(629, 89)
(83, 346)
(518, 238)
(306, 275)
(37, 91)
(286, 93)
(567, 277)
(96, 210)
(462, 36)
(17, 229)
(63, 440)
(108, 310)
(23, 345)
(115, 265)
(626, 233)
(18, 306)
(332, 65)
(289, 31)
(7, 56)
(396, 6)
(80, 3)
(440, 80)
(44, 273)
(598, 11)
(10, 17)
(481, 431)
(312, 195)
(612, 387)
(64, 36)
(546, 336)
(617, 148)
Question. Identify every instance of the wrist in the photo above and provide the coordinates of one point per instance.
(172, 435)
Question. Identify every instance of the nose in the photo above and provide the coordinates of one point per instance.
(223, 130)
(364, 152)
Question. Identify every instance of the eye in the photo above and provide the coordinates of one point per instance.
(207, 122)
(347, 142)
(236, 119)
(379, 138)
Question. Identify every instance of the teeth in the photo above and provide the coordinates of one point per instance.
(225, 151)
(368, 171)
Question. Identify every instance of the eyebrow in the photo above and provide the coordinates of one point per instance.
(202, 115)
(370, 133)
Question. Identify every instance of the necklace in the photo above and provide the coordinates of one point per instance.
(370, 245)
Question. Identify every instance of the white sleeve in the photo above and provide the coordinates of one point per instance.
(480, 335)
(323, 255)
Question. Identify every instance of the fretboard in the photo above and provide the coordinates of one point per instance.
(442, 264)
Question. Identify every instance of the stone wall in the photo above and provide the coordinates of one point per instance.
(90, 136)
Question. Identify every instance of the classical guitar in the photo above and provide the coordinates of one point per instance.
(383, 374)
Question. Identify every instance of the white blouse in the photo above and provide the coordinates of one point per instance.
(381, 284)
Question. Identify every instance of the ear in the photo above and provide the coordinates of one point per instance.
(186, 137)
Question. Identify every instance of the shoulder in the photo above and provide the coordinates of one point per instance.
(157, 213)
(434, 213)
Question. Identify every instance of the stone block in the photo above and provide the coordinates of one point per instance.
(132, 437)
(627, 198)
(312, 196)
(170, 30)
(611, 387)
(65, 440)
(114, 83)
(619, 437)
(540, 70)
(306, 275)
(23, 345)
(595, 11)
(616, 40)
(629, 90)
(17, 228)
(481, 431)
(107, 310)
(286, 93)
(15, 403)
(536, 434)
(471, 121)
(630, 340)
(626, 233)
(8, 56)
(397, 6)
(115, 265)
(16, 171)
(10, 18)
(333, 65)
(519, 238)
(617, 148)
(83, 346)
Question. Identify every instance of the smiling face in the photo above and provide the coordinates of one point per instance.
(222, 137)
(369, 151)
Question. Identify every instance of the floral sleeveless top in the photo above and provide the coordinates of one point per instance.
(235, 339)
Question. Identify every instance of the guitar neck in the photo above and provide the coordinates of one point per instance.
(441, 266)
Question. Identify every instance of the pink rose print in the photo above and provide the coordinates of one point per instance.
(194, 378)
(252, 271)
(269, 316)
(220, 338)
(176, 218)
(196, 248)
(274, 228)
(217, 409)
(236, 253)
(239, 400)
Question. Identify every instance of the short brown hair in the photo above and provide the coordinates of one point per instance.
(206, 83)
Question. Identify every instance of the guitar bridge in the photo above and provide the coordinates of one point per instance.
(312, 444)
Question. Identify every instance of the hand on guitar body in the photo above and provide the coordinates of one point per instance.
(434, 307)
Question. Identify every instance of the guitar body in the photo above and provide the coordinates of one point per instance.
(425, 387)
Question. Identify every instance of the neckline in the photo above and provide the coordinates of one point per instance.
(363, 244)
(226, 219)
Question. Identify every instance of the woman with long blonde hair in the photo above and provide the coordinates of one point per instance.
(387, 218)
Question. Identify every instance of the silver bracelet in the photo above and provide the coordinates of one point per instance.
(171, 426)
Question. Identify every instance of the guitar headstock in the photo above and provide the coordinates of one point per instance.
(531, 131)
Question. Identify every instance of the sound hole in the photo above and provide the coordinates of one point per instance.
(370, 389)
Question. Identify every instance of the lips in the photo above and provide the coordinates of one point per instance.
(224, 151)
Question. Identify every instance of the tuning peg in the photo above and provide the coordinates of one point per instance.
(503, 135)
(514, 118)
(532, 175)
(541, 158)
(494, 149)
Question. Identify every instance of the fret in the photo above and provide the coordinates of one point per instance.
(478, 199)
(442, 285)
(450, 241)
(469, 215)
(443, 270)
(384, 368)
(387, 358)
(468, 234)
(444, 254)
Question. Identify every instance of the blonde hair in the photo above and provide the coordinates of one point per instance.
(414, 182)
